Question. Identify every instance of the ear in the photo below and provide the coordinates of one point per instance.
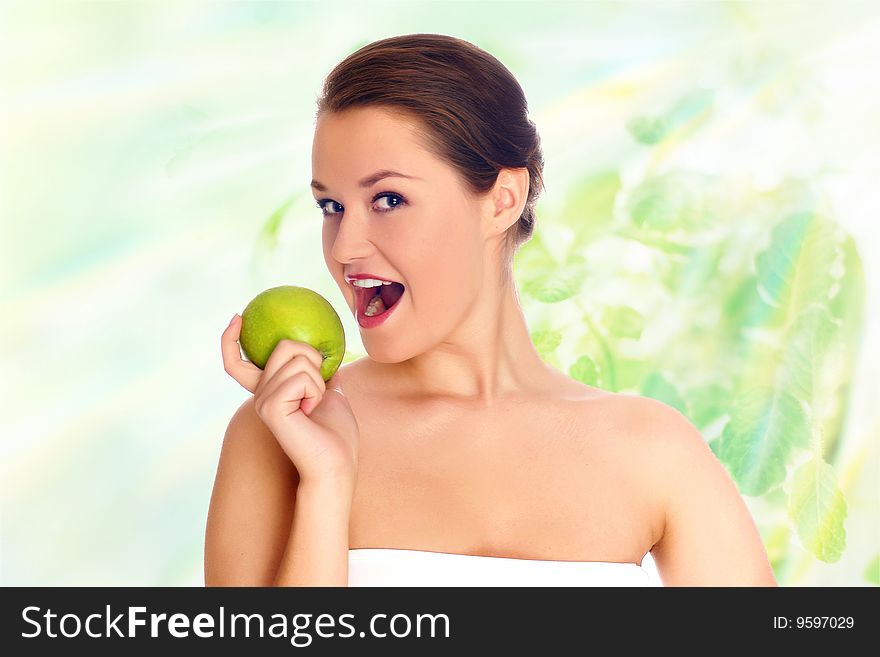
(505, 203)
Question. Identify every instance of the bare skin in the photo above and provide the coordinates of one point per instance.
(530, 477)
(564, 472)
(467, 442)
(577, 474)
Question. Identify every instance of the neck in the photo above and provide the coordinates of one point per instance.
(488, 356)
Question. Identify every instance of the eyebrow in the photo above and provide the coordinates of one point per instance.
(370, 180)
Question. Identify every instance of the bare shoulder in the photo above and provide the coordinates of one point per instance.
(251, 505)
(636, 422)
(659, 427)
(349, 374)
(663, 444)
(708, 537)
(634, 435)
(248, 434)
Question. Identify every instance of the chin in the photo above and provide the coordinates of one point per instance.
(387, 356)
(391, 351)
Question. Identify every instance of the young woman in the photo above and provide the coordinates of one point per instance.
(452, 454)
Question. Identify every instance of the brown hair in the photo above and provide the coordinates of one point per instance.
(468, 107)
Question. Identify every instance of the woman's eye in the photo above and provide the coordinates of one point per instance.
(390, 195)
(324, 211)
(324, 203)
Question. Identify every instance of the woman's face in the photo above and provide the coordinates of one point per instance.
(423, 232)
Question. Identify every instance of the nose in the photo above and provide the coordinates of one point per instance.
(351, 239)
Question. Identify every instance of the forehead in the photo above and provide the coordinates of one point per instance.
(348, 143)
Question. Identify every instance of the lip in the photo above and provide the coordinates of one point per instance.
(359, 277)
(362, 320)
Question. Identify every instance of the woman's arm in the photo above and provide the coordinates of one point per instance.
(709, 538)
(317, 552)
(264, 529)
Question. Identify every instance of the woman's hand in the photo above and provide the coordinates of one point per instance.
(317, 431)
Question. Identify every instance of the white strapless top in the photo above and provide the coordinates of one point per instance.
(401, 567)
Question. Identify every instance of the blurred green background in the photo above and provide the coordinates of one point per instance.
(708, 237)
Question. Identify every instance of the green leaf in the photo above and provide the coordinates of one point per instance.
(777, 497)
(755, 362)
(648, 129)
(533, 257)
(675, 200)
(693, 273)
(553, 286)
(585, 370)
(745, 307)
(630, 372)
(655, 208)
(654, 129)
(777, 543)
(807, 341)
(818, 508)
(540, 275)
(589, 206)
(707, 403)
(872, 571)
(269, 231)
(848, 301)
(658, 387)
(715, 446)
(623, 321)
(756, 445)
(546, 341)
(794, 271)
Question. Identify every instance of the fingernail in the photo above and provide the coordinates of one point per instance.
(233, 319)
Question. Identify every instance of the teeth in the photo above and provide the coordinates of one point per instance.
(369, 282)
(375, 307)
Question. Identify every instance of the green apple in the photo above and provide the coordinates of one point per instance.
(293, 313)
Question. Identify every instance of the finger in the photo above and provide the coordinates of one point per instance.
(285, 350)
(288, 348)
(247, 374)
(298, 392)
(299, 363)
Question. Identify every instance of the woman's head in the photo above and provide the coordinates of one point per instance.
(443, 111)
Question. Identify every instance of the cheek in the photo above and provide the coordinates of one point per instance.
(448, 264)
(328, 235)
(457, 248)
(448, 239)
(328, 238)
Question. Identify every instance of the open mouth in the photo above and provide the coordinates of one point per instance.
(375, 301)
